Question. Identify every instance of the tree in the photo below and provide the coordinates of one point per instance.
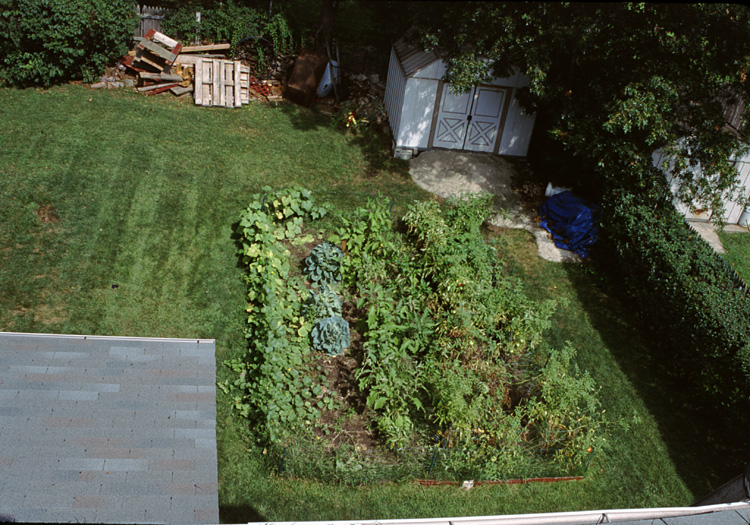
(614, 82)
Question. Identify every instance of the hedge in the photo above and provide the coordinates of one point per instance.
(44, 42)
(683, 287)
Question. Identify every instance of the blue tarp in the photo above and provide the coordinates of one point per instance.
(571, 221)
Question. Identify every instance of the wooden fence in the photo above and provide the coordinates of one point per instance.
(151, 18)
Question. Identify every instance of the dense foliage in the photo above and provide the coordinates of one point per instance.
(229, 22)
(274, 383)
(689, 295)
(52, 41)
(451, 345)
(614, 82)
(611, 83)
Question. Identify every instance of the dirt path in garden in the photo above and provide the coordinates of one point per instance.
(452, 173)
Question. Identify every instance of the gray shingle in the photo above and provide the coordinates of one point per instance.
(109, 431)
(744, 514)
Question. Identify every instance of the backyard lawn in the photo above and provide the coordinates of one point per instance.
(116, 214)
(737, 246)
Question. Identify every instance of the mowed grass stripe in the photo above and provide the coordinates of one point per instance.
(147, 190)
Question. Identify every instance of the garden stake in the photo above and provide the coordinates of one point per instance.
(588, 462)
(281, 464)
(432, 464)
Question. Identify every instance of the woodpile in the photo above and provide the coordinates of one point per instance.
(161, 64)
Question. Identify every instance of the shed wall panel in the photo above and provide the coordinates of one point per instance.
(735, 209)
(732, 209)
(433, 71)
(394, 94)
(418, 108)
(517, 131)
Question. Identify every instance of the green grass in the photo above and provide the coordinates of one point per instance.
(737, 246)
(146, 190)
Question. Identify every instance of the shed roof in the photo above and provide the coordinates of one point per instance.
(107, 430)
(411, 57)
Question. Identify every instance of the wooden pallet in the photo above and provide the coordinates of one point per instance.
(221, 83)
(156, 51)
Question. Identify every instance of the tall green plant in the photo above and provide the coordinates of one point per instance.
(451, 346)
(232, 23)
(449, 336)
(52, 41)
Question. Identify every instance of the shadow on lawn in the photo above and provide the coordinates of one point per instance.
(374, 141)
(240, 514)
(708, 445)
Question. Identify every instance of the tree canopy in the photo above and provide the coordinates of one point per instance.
(614, 82)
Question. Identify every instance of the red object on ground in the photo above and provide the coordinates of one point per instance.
(431, 482)
(127, 61)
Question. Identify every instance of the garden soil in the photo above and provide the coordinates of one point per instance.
(455, 173)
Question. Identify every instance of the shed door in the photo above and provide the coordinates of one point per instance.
(484, 120)
(450, 130)
(471, 120)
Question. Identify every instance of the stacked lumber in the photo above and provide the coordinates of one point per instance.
(159, 64)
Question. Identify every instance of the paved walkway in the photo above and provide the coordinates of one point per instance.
(708, 231)
(107, 430)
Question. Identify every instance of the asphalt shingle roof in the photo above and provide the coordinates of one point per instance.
(107, 430)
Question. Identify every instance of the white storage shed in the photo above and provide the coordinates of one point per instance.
(734, 213)
(425, 114)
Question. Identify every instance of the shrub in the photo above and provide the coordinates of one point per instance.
(230, 23)
(44, 42)
(683, 288)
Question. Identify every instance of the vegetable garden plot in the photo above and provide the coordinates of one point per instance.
(402, 340)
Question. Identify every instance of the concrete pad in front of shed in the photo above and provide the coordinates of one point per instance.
(107, 430)
(448, 173)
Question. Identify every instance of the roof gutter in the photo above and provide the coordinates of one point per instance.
(112, 338)
(557, 518)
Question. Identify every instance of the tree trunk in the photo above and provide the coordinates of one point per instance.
(327, 16)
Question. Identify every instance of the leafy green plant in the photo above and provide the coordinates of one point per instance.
(44, 43)
(359, 115)
(564, 412)
(274, 385)
(451, 346)
(321, 304)
(231, 23)
(330, 335)
(448, 336)
(324, 263)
